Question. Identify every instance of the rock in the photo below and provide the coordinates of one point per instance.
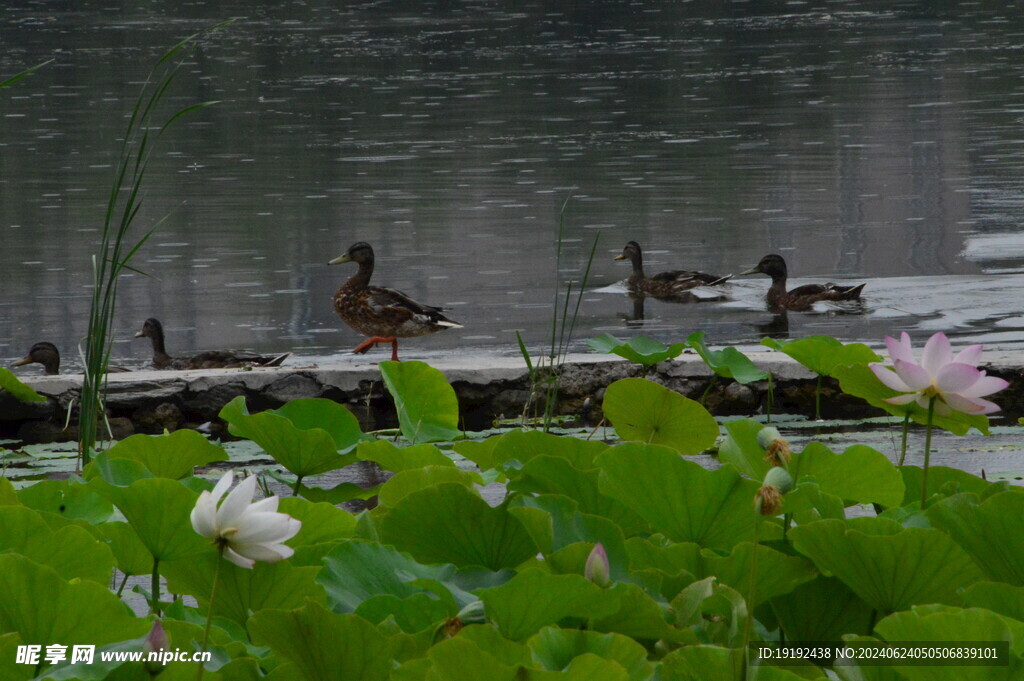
(166, 416)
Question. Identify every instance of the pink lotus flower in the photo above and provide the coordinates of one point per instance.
(955, 381)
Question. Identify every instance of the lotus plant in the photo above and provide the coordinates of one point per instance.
(941, 383)
(245, 532)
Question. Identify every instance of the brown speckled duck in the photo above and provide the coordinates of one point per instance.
(383, 314)
(664, 284)
(211, 359)
(47, 354)
(802, 297)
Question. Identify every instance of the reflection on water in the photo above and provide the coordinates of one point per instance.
(876, 142)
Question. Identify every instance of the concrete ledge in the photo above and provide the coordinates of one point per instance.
(488, 388)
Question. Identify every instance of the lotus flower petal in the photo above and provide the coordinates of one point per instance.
(955, 378)
(236, 503)
(204, 516)
(267, 553)
(966, 405)
(900, 349)
(969, 355)
(240, 561)
(902, 399)
(268, 505)
(916, 377)
(266, 527)
(986, 385)
(937, 353)
(889, 378)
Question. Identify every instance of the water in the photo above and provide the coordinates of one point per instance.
(864, 141)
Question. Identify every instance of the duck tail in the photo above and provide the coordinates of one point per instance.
(851, 292)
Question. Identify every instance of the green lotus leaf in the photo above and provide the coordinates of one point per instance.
(70, 551)
(427, 407)
(174, 455)
(68, 499)
(356, 571)
(317, 412)
(858, 380)
(524, 445)
(159, 511)
(8, 495)
(741, 449)
(398, 459)
(321, 522)
(289, 437)
(933, 623)
(461, 659)
(553, 475)
(241, 591)
(419, 612)
(534, 599)
(344, 647)
(807, 503)
(133, 558)
(727, 362)
(406, 482)
(639, 349)
(679, 498)
(556, 523)
(20, 391)
(1001, 598)
(448, 523)
(822, 609)
(488, 639)
(941, 480)
(481, 453)
(992, 532)
(645, 411)
(637, 616)
(870, 555)
(822, 354)
(555, 648)
(702, 663)
(41, 606)
(120, 472)
(10, 669)
(777, 573)
(716, 611)
(860, 475)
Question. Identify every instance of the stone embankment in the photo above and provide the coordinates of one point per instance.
(488, 389)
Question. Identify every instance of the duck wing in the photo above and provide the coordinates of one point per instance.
(389, 302)
(690, 278)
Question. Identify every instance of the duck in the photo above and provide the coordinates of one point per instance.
(802, 297)
(47, 354)
(383, 314)
(211, 359)
(664, 284)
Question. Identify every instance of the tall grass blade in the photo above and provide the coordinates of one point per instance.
(114, 256)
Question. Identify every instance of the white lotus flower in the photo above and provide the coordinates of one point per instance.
(244, 531)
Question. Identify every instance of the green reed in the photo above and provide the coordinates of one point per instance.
(114, 254)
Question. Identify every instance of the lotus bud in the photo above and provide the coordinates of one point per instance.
(768, 499)
(597, 569)
(472, 613)
(156, 641)
(776, 450)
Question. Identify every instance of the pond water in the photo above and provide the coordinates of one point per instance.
(864, 141)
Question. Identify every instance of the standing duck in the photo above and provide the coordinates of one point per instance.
(211, 359)
(664, 284)
(802, 297)
(383, 314)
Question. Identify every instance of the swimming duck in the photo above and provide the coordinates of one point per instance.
(665, 284)
(47, 354)
(211, 359)
(383, 314)
(802, 297)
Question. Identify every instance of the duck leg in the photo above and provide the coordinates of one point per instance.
(370, 342)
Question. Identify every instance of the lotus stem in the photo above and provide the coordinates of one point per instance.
(298, 485)
(209, 613)
(770, 401)
(154, 586)
(903, 444)
(817, 399)
(711, 384)
(927, 451)
(748, 624)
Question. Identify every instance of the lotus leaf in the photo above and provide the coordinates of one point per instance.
(639, 349)
(645, 411)
(992, 532)
(20, 391)
(427, 407)
(171, 455)
(727, 362)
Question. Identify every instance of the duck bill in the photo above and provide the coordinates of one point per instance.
(341, 259)
(23, 361)
(140, 334)
(752, 270)
(620, 256)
